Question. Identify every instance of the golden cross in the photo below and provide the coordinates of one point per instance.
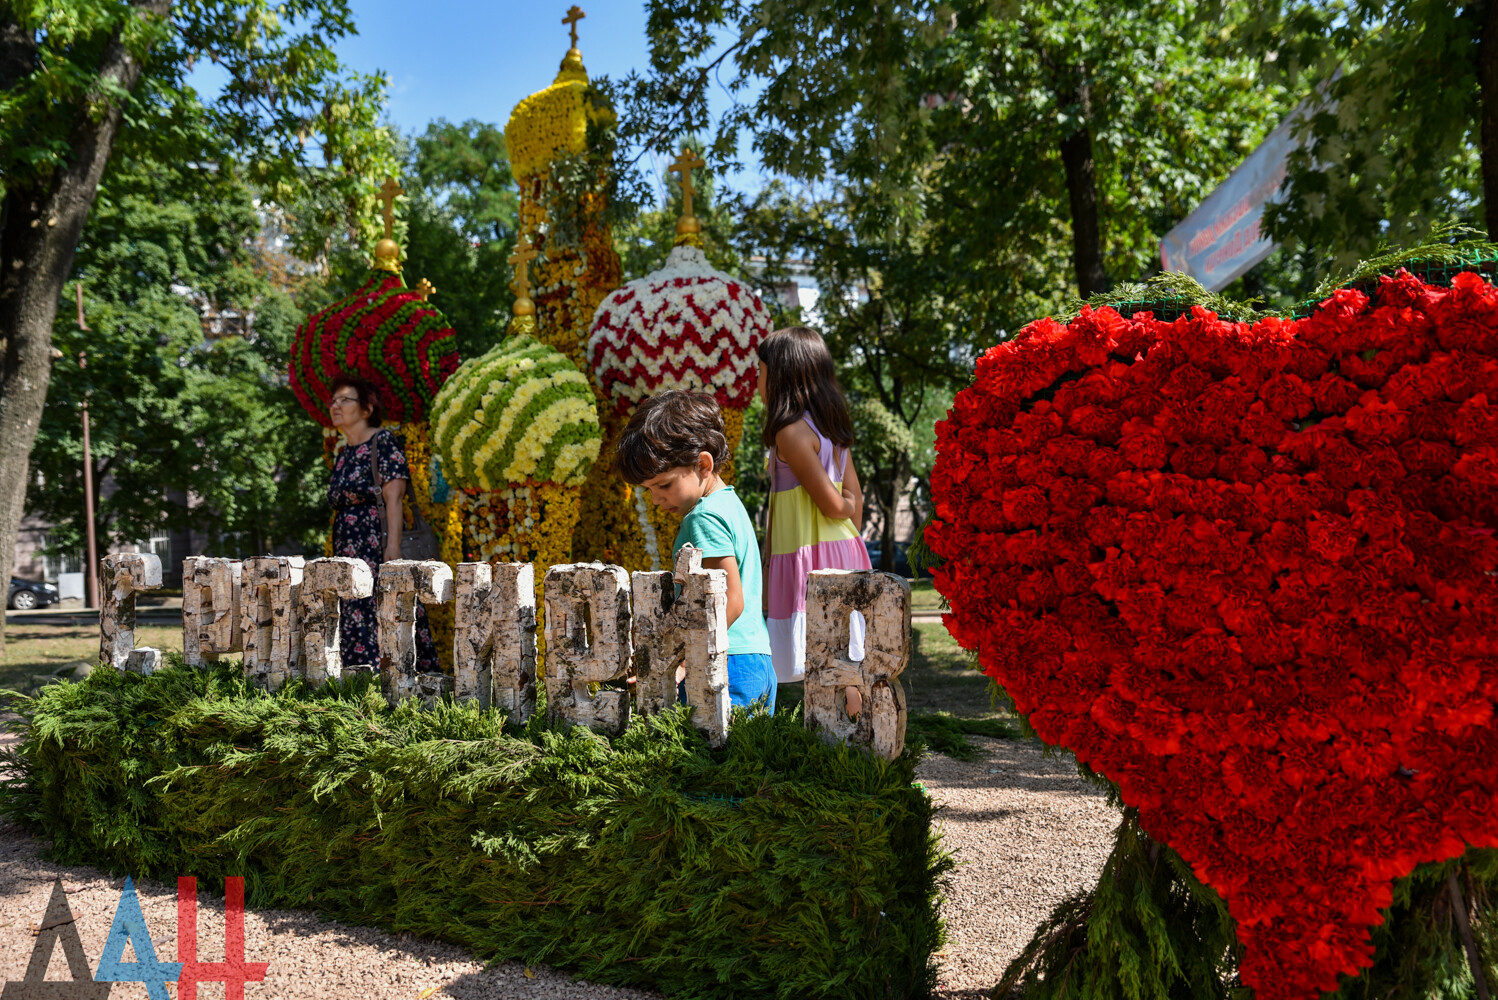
(388, 194)
(573, 16)
(523, 255)
(684, 165)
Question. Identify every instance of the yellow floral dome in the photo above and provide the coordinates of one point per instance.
(553, 121)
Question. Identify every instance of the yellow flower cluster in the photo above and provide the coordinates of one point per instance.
(451, 538)
(567, 283)
(418, 448)
(570, 284)
(733, 429)
(609, 528)
(549, 122)
(525, 522)
(663, 526)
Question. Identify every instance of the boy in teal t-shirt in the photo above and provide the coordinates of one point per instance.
(673, 446)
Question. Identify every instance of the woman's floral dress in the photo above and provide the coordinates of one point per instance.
(359, 531)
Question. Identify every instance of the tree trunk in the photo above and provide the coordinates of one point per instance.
(1487, 81)
(40, 226)
(889, 503)
(1081, 186)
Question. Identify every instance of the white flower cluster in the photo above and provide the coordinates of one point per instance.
(685, 326)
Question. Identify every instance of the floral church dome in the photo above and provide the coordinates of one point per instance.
(685, 326)
(384, 332)
(520, 413)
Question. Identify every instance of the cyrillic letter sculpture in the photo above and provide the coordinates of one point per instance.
(270, 627)
(123, 576)
(210, 608)
(587, 642)
(494, 643)
(884, 599)
(324, 583)
(691, 628)
(402, 583)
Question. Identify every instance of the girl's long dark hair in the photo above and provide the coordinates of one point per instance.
(800, 378)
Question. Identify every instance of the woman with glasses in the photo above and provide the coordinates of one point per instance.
(369, 478)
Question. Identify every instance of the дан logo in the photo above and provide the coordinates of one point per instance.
(129, 926)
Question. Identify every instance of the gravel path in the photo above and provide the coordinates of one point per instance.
(309, 957)
(1026, 831)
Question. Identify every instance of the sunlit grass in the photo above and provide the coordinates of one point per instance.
(37, 648)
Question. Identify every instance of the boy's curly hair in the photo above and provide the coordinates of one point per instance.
(669, 430)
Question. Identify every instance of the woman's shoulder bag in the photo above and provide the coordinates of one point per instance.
(418, 541)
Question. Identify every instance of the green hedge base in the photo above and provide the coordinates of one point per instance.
(778, 866)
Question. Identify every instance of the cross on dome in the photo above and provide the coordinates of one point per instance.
(389, 191)
(524, 253)
(688, 161)
(387, 254)
(574, 15)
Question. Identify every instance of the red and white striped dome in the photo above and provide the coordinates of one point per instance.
(685, 326)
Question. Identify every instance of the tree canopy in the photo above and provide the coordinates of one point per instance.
(86, 85)
(1399, 137)
(193, 426)
(950, 171)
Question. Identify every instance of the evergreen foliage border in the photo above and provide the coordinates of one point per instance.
(778, 866)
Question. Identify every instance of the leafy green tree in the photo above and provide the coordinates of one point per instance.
(1117, 116)
(883, 453)
(1007, 123)
(461, 218)
(950, 171)
(175, 411)
(1404, 126)
(83, 80)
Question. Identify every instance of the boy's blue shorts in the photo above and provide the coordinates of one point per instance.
(751, 676)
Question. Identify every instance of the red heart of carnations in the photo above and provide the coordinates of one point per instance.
(1247, 572)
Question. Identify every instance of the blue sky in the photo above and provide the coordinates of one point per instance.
(461, 59)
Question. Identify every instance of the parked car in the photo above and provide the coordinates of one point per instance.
(902, 561)
(27, 595)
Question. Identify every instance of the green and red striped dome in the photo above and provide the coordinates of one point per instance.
(384, 332)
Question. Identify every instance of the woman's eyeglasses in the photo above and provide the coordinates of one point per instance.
(336, 400)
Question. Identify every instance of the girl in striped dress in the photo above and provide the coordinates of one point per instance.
(816, 506)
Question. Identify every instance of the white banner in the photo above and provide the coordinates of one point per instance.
(1223, 237)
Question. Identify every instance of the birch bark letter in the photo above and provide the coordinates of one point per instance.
(587, 642)
(884, 600)
(494, 645)
(270, 632)
(210, 609)
(691, 630)
(402, 583)
(122, 577)
(324, 583)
